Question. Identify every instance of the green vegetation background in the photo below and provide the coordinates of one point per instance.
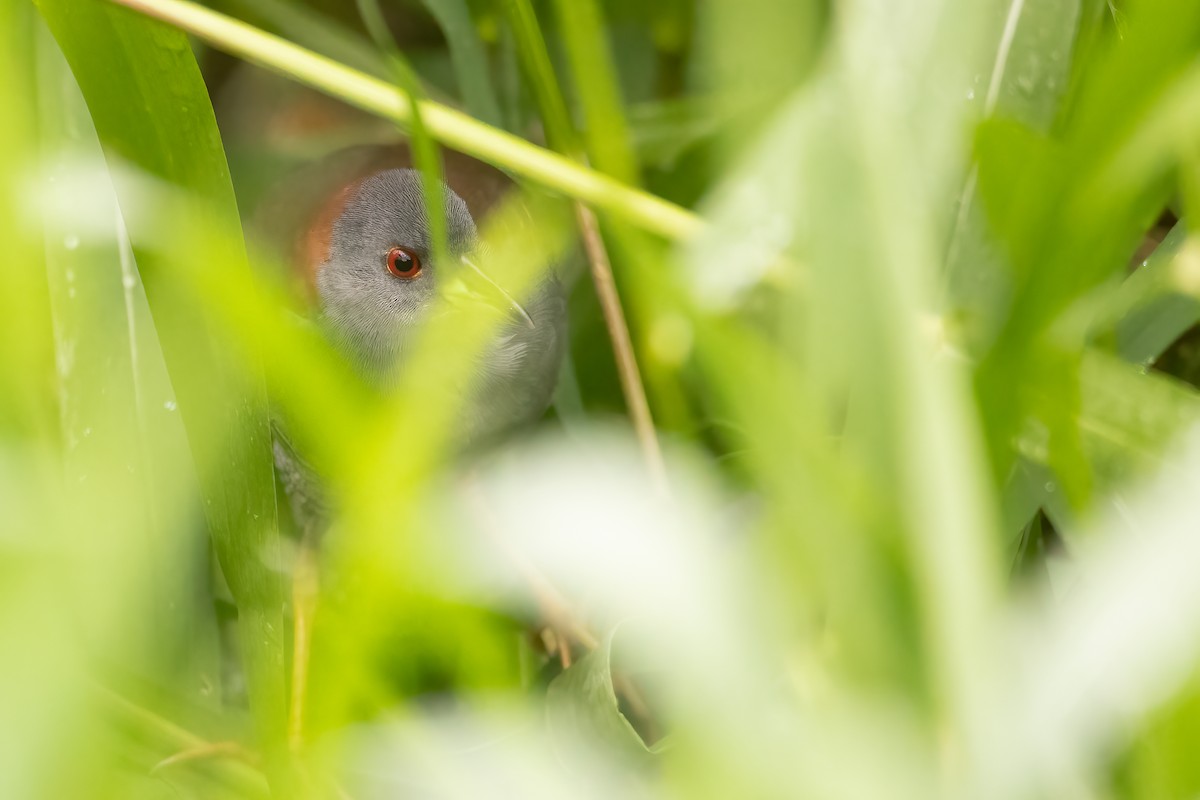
(922, 369)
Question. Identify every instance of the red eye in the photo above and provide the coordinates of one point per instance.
(403, 263)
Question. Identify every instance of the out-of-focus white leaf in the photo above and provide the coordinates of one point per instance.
(1121, 641)
(674, 569)
(586, 515)
(500, 751)
(756, 213)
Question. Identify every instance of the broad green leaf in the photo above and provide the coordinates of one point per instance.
(1023, 80)
(873, 194)
(1154, 306)
(1163, 758)
(151, 109)
(1096, 223)
(1129, 424)
(1031, 60)
(1078, 228)
(127, 454)
(581, 705)
(1132, 420)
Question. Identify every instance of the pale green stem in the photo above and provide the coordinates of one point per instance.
(450, 127)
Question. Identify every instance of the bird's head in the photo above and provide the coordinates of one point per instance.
(380, 277)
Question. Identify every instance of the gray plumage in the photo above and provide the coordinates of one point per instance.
(372, 316)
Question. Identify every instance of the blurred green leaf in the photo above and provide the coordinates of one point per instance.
(754, 54)
(39, 683)
(1162, 760)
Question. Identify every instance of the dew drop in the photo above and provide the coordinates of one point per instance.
(71, 241)
(169, 405)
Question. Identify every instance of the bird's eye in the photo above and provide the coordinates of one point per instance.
(403, 263)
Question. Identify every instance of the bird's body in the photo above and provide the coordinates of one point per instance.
(354, 232)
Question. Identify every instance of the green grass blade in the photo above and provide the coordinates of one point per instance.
(609, 141)
(539, 71)
(312, 29)
(469, 57)
(425, 151)
(1154, 306)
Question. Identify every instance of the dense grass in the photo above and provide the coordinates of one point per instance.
(873, 477)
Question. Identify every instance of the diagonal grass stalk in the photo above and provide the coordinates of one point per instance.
(450, 127)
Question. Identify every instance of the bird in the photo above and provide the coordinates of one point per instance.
(352, 230)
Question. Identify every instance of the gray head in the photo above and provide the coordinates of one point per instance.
(380, 278)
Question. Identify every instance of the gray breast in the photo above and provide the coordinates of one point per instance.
(518, 373)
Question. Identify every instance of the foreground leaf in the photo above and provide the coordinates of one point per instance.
(151, 109)
(581, 704)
